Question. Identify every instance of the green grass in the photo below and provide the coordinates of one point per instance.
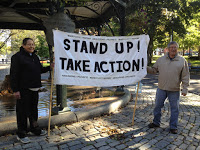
(45, 64)
(193, 62)
(155, 57)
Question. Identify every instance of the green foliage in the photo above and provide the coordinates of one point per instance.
(192, 38)
(157, 23)
(5, 50)
(16, 39)
(45, 64)
(42, 47)
(37, 36)
(137, 22)
(195, 63)
(159, 19)
(3, 46)
(5, 36)
(106, 29)
(114, 25)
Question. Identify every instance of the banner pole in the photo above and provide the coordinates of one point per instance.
(50, 102)
(135, 103)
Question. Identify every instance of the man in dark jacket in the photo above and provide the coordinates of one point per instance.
(25, 74)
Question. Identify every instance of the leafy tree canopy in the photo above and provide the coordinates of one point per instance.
(16, 37)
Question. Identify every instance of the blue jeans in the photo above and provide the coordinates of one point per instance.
(174, 98)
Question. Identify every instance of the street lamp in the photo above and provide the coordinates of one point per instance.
(170, 15)
(172, 23)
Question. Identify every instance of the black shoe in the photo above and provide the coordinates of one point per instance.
(173, 131)
(152, 125)
(35, 131)
(41, 133)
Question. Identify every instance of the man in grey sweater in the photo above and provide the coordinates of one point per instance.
(173, 72)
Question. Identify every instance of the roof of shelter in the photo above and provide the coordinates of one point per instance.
(30, 14)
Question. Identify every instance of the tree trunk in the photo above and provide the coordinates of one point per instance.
(150, 50)
(6, 40)
(51, 55)
(183, 52)
(199, 53)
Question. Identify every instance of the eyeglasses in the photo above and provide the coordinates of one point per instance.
(173, 47)
(30, 44)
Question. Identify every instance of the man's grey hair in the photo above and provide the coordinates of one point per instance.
(171, 43)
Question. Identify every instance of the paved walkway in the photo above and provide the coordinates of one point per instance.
(115, 132)
(4, 70)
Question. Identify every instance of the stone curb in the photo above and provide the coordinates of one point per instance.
(71, 117)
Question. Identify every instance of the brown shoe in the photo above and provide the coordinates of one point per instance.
(152, 125)
(173, 131)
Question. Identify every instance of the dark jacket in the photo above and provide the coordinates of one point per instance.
(25, 71)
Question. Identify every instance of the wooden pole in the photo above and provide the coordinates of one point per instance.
(50, 102)
(135, 103)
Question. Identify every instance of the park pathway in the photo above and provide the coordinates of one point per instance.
(115, 132)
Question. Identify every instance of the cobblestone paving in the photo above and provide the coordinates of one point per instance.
(115, 132)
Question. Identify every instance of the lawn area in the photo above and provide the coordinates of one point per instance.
(155, 57)
(194, 63)
(45, 64)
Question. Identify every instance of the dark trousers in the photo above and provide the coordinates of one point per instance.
(27, 108)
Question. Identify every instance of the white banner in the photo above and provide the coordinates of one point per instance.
(99, 60)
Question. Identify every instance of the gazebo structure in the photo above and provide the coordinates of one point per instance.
(31, 14)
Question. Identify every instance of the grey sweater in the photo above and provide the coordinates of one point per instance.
(171, 73)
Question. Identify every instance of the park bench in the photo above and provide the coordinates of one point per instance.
(195, 70)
